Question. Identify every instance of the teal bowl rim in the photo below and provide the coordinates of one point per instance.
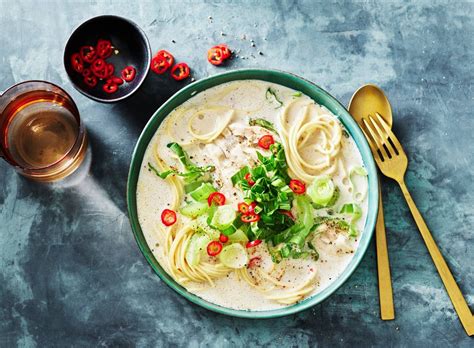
(289, 80)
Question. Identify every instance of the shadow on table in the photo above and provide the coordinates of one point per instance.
(139, 108)
(112, 146)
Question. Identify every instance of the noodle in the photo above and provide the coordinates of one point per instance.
(296, 136)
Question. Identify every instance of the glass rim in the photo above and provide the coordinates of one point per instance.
(77, 141)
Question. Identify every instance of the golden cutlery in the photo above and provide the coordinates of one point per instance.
(369, 99)
(392, 162)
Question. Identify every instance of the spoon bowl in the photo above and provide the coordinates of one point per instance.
(368, 100)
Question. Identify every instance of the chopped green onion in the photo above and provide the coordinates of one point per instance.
(355, 213)
(297, 94)
(234, 256)
(223, 217)
(262, 123)
(353, 210)
(194, 209)
(202, 192)
(238, 236)
(323, 191)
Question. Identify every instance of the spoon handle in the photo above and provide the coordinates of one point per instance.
(455, 294)
(387, 311)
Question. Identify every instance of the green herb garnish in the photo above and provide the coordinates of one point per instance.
(192, 172)
(262, 123)
(271, 93)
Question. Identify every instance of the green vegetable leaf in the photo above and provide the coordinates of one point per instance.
(262, 123)
(271, 93)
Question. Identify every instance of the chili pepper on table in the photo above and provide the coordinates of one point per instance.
(180, 71)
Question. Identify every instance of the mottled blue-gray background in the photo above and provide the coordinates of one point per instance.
(70, 270)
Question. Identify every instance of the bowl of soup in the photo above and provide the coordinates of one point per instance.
(253, 193)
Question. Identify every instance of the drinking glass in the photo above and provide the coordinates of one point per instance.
(41, 133)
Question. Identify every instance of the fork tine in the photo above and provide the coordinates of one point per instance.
(384, 138)
(393, 138)
(374, 143)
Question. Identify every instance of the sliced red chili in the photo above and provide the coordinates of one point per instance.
(226, 52)
(287, 213)
(110, 88)
(243, 207)
(253, 243)
(104, 48)
(100, 68)
(254, 261)
(88, 53)
(266, 141)
(248, 177)
(252, 207)
(110, 69)
(215, 55)
(128, 73)
(250, 217)
(297, 186)
(168, 217)
(115, 79)
(77, 63)
(159, 65)
(86, 72)
(223, 238)
(180, 71)
(90, 81)
(214, 248)
(216, 198)
(168, 57)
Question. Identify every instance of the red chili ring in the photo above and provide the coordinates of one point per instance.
(297, 186)
(168, 217)
(253, 243)
(266, 141)
(90, 81)
(214, 248)
(216, 198)
(180, 71)
(110, 88)
(128, 73)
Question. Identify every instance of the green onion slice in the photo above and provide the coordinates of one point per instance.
(323, 191)
(224, 217)
(202, 192)
(234, 256)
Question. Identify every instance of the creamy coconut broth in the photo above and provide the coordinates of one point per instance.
(254, 281)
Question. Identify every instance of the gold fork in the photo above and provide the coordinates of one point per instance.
(392, 161)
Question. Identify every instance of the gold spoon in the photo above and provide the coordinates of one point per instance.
(368, 100)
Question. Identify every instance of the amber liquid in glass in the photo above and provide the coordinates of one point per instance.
(41, 130)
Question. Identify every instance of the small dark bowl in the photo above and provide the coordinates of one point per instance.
(127, 37)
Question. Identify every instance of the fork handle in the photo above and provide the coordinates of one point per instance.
(460, 304)
(387, 311)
